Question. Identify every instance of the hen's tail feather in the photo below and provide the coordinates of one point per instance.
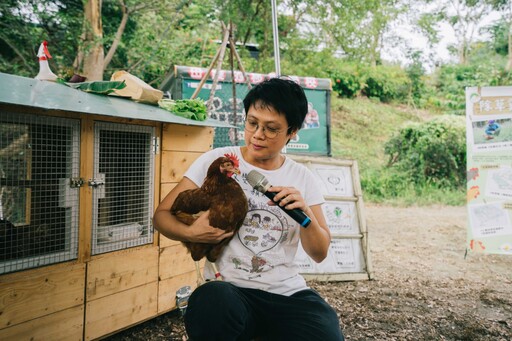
(216, 249)
(197, 250)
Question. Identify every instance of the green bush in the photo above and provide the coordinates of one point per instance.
(432, 153)
(384, 184)
(451, 81)
(416, 73)
(387, 83)
(347, 80)
(300, 61)
(388, 186)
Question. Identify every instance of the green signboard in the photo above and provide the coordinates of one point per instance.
(312, 139)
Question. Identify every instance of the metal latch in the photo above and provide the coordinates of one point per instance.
(98, 184)
(95, 182)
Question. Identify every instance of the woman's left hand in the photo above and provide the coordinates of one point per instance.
(287, 197)
(316, 238)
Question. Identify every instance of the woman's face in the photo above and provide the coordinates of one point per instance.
(262, 149)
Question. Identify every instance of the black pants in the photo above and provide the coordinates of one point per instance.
(221, 311)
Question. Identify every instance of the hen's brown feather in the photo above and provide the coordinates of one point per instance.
(225, 199)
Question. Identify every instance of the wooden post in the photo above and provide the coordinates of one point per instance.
(215, 59)
(233, 83)
(240, 65)
(219, 63)
(219, 57)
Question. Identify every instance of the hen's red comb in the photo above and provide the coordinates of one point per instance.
(233, 158)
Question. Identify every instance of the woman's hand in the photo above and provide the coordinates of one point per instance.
(201, 232)
(287, 197)
(316, 238)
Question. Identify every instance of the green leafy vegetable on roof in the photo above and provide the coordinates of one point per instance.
(97, 87)
(194, 109)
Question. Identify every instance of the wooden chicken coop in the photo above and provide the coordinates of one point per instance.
(80, 177)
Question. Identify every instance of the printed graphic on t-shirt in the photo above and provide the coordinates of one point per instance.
(263, 229)
(254, 267)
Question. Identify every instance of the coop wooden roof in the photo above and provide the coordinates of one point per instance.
(52, 96)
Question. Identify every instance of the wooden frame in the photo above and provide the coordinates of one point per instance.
(341, 186)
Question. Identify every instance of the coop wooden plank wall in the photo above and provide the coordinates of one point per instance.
(94, 296)
(120, 310)
(65, 325)
(121, 290)
(181, 145)
(45, 302)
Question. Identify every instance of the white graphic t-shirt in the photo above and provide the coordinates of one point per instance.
(261, 255)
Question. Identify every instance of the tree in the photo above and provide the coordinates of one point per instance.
(505, 8)
(463, 16)
(356, 27)
(103, 35)
(25, 24)
(92, 47)
(164, 38)
(467, 15)
(91, 58)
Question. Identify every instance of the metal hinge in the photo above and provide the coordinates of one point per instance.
(156, 145)
(76, 182)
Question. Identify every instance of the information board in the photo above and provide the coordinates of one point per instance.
(348, 257)
(489, 169)
(312, 139)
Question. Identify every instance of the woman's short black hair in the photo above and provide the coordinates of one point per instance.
(282, 95)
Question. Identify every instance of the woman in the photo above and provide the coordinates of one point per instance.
(263, 294)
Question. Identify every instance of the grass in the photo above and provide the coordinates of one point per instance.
(360, 127)
(425, 196)
(359, 130)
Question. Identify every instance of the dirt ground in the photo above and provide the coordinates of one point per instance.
(424, 288)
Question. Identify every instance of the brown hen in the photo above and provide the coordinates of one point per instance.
(225, 199)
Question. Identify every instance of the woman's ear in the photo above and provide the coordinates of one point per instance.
(293, 135)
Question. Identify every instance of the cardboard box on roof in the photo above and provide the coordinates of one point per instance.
(136, 88)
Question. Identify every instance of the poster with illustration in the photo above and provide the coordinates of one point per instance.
(489, 169)
(345, 256)
(336, 180)
(341, 217)
(348, 256)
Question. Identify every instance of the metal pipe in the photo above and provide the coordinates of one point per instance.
(277, 60)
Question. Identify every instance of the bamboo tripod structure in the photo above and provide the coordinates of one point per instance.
(218, 59)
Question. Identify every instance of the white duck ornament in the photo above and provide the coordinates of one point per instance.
(45, 74)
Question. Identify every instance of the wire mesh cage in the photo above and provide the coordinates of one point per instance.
(39, 157)
(123, 186)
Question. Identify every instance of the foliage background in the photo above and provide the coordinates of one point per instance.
(401, 119)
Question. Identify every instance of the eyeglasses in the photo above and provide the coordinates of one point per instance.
(270, 133)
